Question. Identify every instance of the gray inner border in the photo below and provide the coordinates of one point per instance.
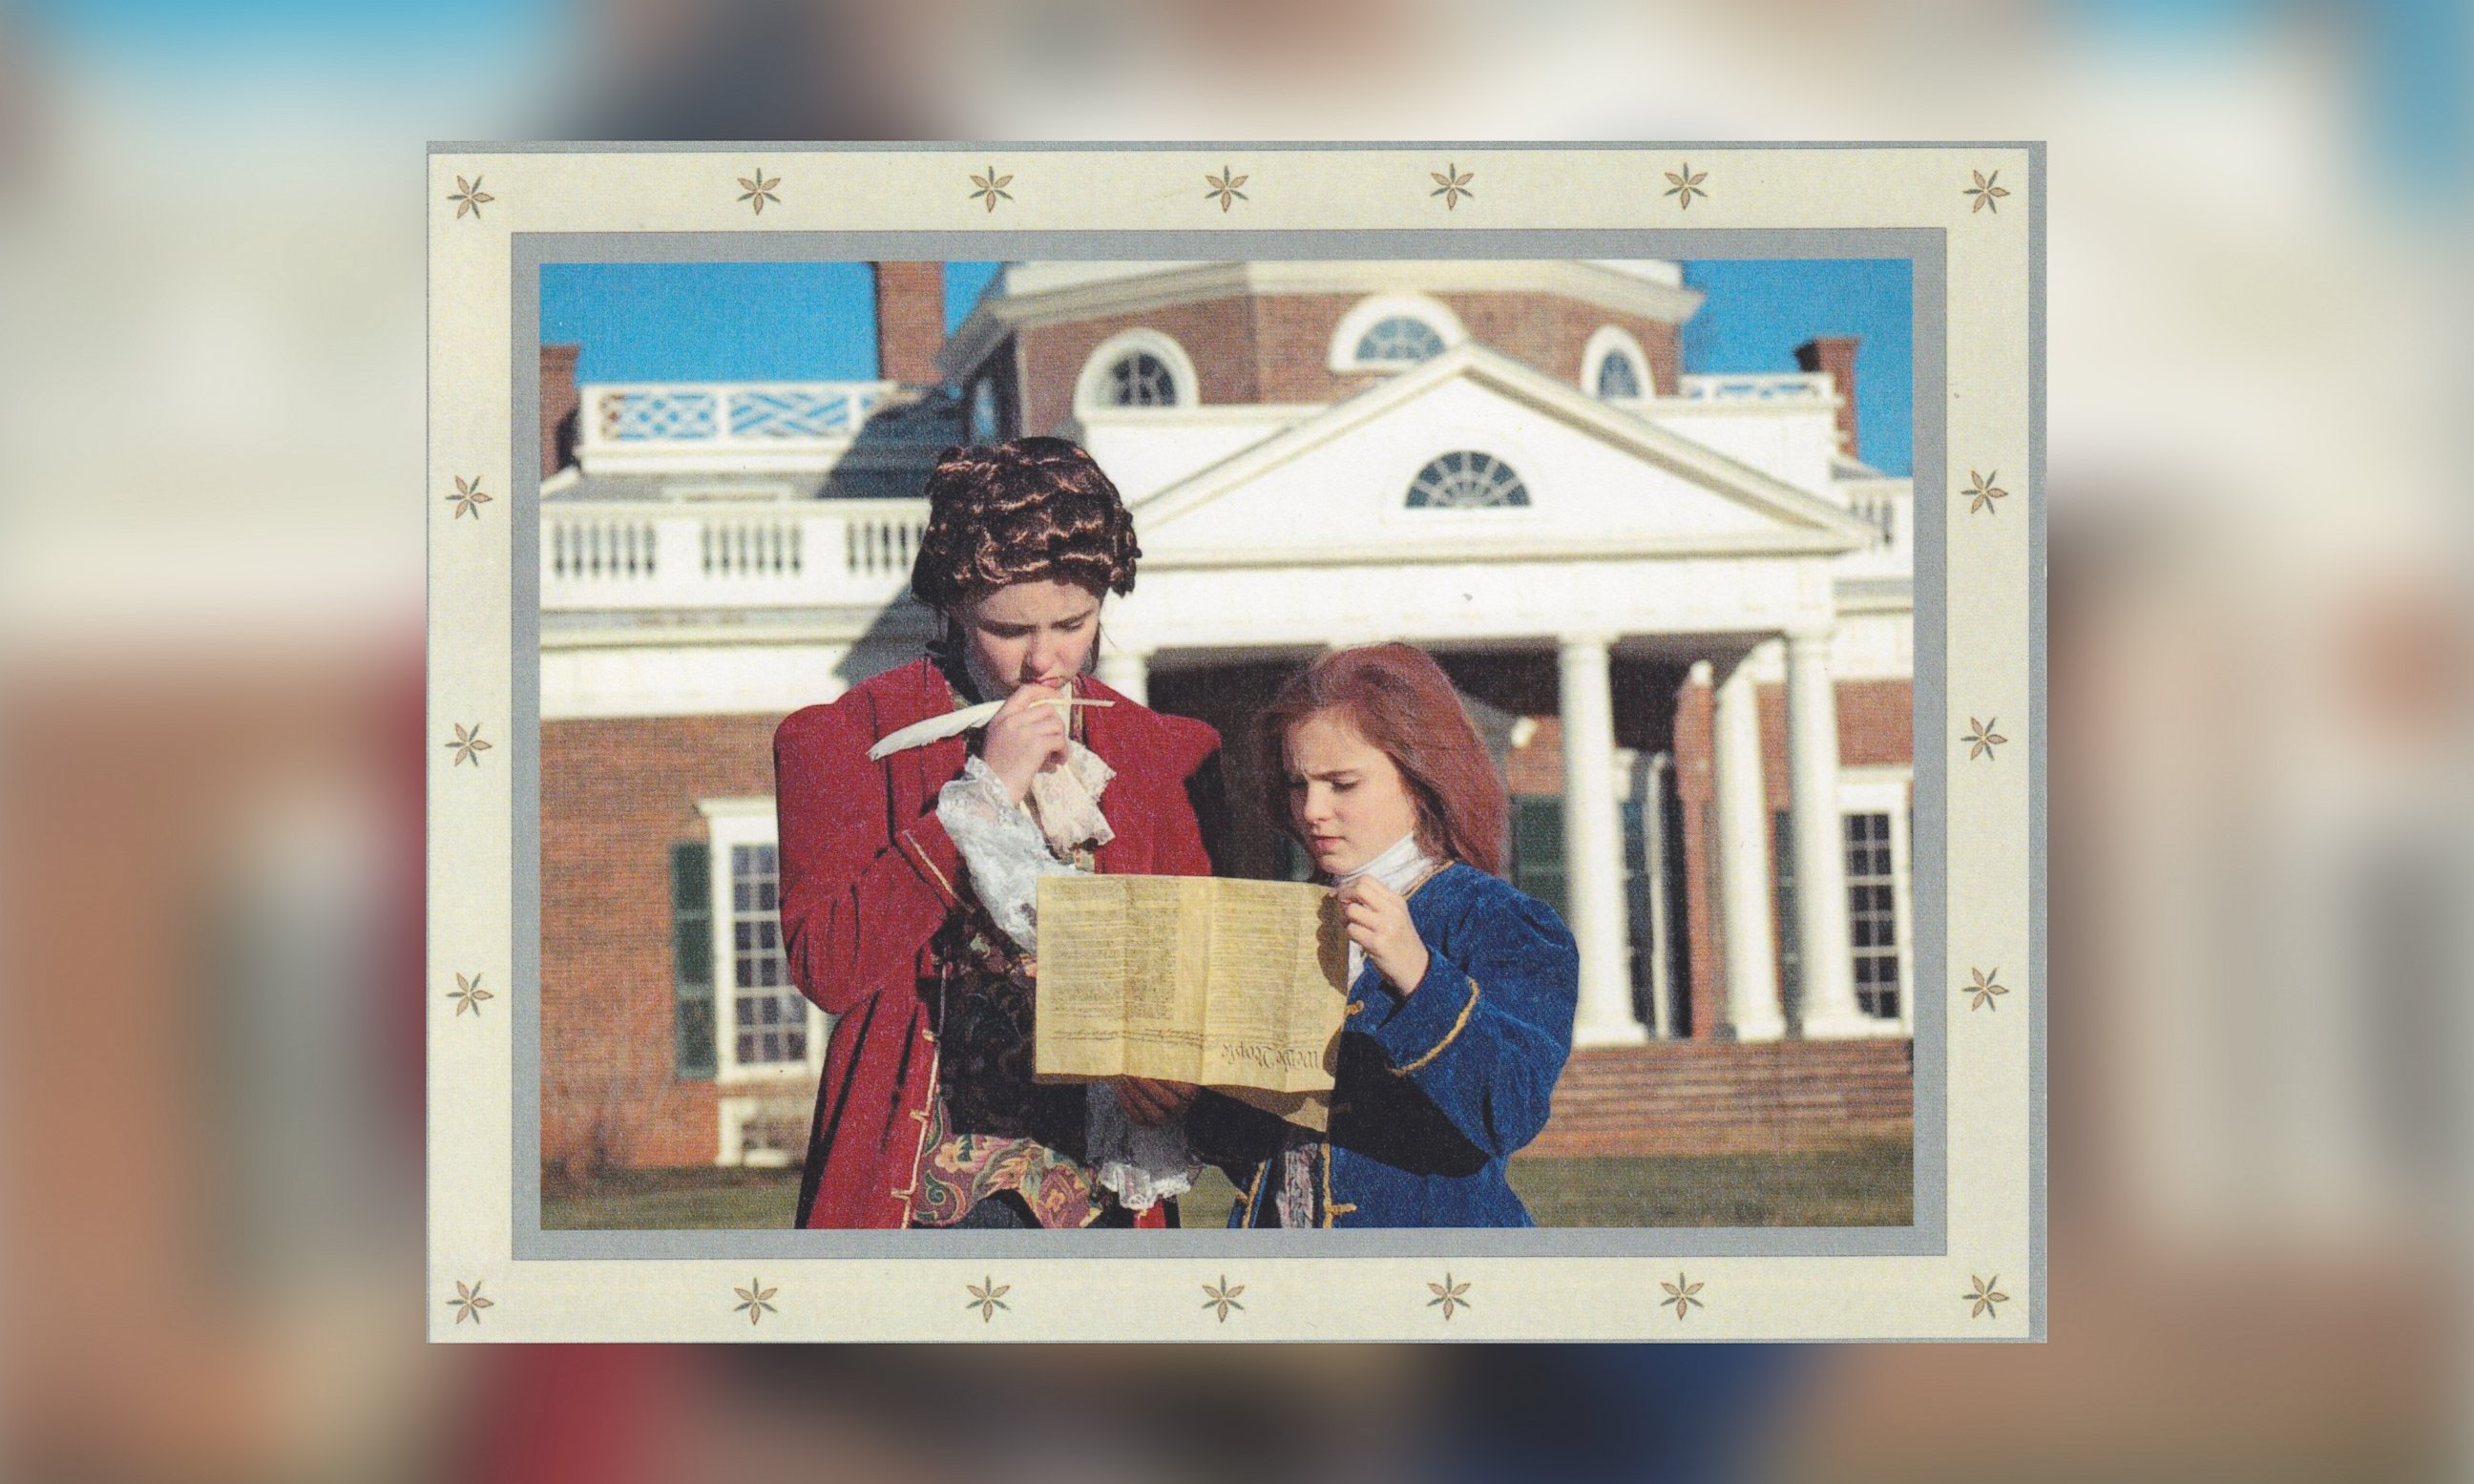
(1924, 249)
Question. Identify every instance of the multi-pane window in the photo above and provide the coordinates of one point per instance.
(1466, 482)
(1401, 338)
(1140, 379)
(1872, 909)
(984, 410)
(1872, 915)
(1617, 377)
(770, 1016)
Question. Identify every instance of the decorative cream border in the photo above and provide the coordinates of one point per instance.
(1988, 1283)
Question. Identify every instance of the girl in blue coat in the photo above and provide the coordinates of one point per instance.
(1461, 988)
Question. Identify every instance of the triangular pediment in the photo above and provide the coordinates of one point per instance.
(1598, 481)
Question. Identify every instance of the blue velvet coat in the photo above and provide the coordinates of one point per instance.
(1437, 1089)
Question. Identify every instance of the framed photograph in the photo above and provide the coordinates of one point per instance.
(1701, 486)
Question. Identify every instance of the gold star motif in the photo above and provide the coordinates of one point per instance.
(468, 994)
(468, 498)
(1223, 1298)
(754, 1301)
(1984, 989)
(1685, 186)
(469, 197)
(988, 1297)
(468, 1302)
(1986, 1299)
(1981, 493)
(1225, 186)
(466, 745)
(758, 190)
(1449, 1296)
(990, 187)
(1986, 192)
(1981, 742)
(1451, 182)
(1680, 1293)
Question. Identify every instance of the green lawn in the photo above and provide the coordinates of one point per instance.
(1862, 1185)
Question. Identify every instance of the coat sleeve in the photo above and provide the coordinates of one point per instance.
(1486, 1035)
(860, 899)
(1193, 839)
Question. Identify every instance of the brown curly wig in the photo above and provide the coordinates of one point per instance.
(1025, 511)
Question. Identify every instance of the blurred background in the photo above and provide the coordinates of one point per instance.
(210, 660)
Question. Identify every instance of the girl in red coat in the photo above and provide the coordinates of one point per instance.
(905, 875)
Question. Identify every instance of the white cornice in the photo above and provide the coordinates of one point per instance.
(1839, 529)
(1166, 285)
(1494, 549)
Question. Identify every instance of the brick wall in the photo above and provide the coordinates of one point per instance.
(559, 401)
(616, 797)
(909, 321)
(1218, 334)
(1277, 349)
(1875, 727)
(1550, 333)
(1697, 797)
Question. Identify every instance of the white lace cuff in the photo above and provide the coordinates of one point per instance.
(1143, 1165)
(1002, 847)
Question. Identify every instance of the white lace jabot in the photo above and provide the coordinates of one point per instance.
(1401, 867)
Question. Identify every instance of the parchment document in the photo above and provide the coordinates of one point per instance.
(1234, 984)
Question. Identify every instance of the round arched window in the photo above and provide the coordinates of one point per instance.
(1617, 377)
(1140, 379)
(1466, 482)
(1399, 338)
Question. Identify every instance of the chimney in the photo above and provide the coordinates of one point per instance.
(909, 321)
(558, 406)
(1835, 354)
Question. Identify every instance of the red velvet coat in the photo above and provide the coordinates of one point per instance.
(868, 876)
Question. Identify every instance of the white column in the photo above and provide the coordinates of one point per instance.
(1127, 671)
(1753, 1011)
(1593, 845)
(1827, 978)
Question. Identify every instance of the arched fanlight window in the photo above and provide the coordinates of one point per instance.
(1399, 339)
(1140, 379)
(1467, 481)
(1136, 368)
(1614, 366)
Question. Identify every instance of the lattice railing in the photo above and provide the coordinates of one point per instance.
(770, 413)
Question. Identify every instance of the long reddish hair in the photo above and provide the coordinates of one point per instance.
(1401, 702)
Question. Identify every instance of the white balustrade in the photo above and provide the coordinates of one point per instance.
(1767, 386)
(821, 553)
(1889, 509)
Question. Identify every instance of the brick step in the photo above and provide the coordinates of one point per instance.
(1651, 1127)
(1713, 1087)
(1632, 1087)
(1735, 1139)
(1799, 1097)
(1773, 1055)
(1714, 1097)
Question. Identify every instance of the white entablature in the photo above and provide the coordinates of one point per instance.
(1586, 482)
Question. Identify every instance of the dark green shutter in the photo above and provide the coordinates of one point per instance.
(1538, 850)
(692, 957)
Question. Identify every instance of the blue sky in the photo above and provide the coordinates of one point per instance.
(791, 321)
(1758, 310)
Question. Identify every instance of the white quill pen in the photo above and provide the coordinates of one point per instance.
(918, 734)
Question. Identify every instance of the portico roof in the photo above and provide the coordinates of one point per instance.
(1599, 482)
